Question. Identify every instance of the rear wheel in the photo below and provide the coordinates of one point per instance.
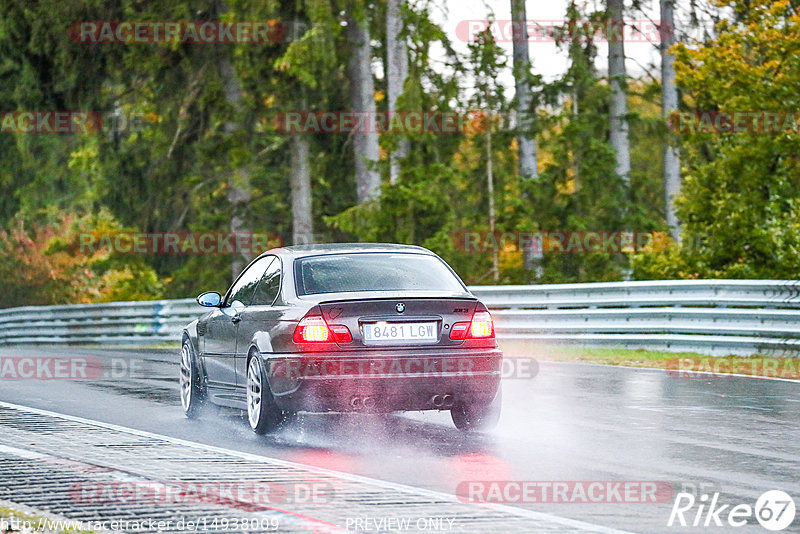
(191, 384)
(477, 416)
(263, 413)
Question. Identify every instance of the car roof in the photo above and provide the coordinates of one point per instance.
(344, 248)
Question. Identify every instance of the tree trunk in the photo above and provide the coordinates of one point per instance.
(362, 95)
(490, 188)
(526, 144)
(239, 193)
(617, 81)
(302, 220)
(669, 103)
(522, 64)
(396, 74)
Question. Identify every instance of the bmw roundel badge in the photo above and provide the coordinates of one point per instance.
(400, 307)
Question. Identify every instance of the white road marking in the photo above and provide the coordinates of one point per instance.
(511, 510)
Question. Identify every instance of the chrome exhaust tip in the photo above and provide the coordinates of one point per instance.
(369, 402)
(356, 402)
(447, 401)
(437, 401)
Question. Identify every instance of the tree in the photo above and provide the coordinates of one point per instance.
(206, 141)
(486, 59)
(396, 74)
(362, 98)
(61, 262)
(526, 142)
(239, 194)
(578, 189)
(300, 176)
(739, 200)
(528, 167)
(669, 104)
(300, 179)
(617, 76)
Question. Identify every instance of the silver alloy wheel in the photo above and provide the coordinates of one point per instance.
(254, 392)
(187, 380)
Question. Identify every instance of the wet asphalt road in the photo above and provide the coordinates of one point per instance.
(572, 422)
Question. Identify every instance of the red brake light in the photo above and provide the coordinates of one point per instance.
(480, 327)
(311, 329)
(314, 329)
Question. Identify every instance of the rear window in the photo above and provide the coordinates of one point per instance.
(344, 273)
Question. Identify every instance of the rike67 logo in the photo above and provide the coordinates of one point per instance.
(774, 510)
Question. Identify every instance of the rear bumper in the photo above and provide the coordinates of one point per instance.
(384, 381)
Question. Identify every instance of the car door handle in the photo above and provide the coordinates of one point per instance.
(236, 318)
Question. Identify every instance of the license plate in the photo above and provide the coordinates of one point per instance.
(400, 332)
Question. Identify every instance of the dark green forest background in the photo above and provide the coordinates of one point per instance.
(206, 133)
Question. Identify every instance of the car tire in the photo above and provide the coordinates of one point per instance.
(263, 413)
(470, 417)
(192, 390)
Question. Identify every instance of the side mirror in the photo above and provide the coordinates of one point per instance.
(209, 299)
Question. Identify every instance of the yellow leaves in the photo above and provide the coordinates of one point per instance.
(659, 242)
(379, 96)
(510, 258)
(747, 67)
(152, 117)
(468, 156)
(780, 7)
(544, 159)
(567, 188)
(480, 121)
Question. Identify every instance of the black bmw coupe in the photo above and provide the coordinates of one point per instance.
(372, 328)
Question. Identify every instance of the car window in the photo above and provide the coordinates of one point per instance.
(245, 286)
(268, 286)
(337, 273)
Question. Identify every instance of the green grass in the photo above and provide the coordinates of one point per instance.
(756, 365)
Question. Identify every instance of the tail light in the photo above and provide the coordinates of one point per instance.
(480, 327)
(341, 333)
(314, 329)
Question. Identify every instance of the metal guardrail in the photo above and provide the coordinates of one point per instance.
(705, 316)
(108, 323)
(715, 317)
